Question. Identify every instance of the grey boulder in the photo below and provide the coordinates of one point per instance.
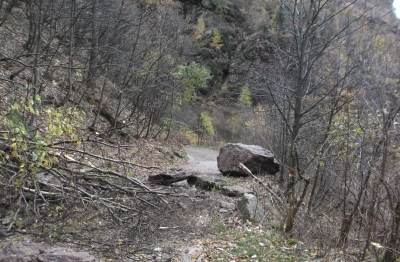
(257, 159)
(251, 209)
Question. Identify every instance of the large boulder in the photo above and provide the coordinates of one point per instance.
(257, 159)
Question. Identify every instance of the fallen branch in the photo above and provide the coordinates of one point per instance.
(104, 158)
(169, 177)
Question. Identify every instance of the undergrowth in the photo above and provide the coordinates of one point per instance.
(256, 243)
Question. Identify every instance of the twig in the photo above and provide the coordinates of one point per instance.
(16, 213)
(105, 158)
(163, 228)
(116, 174)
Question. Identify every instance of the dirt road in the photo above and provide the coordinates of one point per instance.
(201, 160)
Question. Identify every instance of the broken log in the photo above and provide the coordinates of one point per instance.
(168, 177)
(206, 182)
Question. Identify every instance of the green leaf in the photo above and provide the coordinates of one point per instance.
(15, 106)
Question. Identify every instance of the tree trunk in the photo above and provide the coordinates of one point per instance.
(32, 27)
(345, 229)
(294, 206)
(93, 125)
(393, 243)
(94, 52)
(71, 53)
(36, 62)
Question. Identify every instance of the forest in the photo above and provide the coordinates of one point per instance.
(316, 82)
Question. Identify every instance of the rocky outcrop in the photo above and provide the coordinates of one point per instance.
(257, 159)
(251, 209)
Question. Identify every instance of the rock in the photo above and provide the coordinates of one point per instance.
(259, 160)
(207, 182)
(183, 205)
(7, 220)
(23, 251)
(26, 251)
(47, 178)
(60, 256)
(251, 209)
(235, 191)
(230, 12)
(157, 249)
(4, 233)
(227, 205)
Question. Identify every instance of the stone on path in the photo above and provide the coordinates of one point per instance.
(235, 191)
(251, 209)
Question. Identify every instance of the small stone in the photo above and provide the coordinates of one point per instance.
(227, 205)
(235, 191)
(183, 205)
(157, 249)
(7, 220)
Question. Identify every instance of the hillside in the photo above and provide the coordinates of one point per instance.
(97, 95)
